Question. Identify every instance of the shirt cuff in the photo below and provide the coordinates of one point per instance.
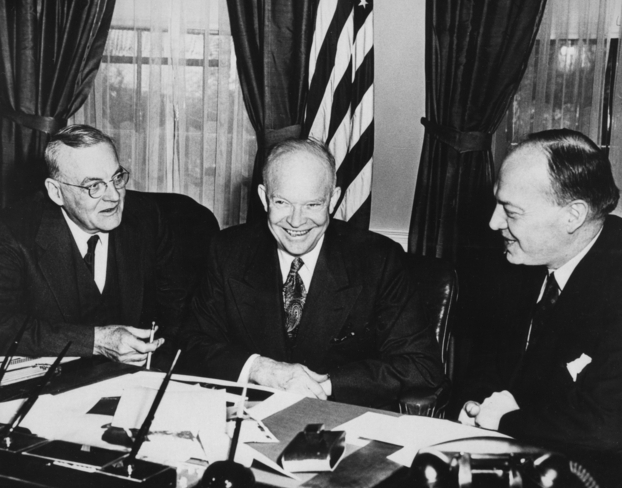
(327, 386)
(246, 369)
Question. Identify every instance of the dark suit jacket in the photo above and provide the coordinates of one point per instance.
(37, 284)
(362, 322)
(556, 411)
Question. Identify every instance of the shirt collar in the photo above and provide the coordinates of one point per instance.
(80, 236)
(562, 274)
(309, 259)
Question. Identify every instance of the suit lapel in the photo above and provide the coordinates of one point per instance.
(56, 251)
(329, 302)
(258, 299)
(578, 292)
(125, 240)
(526, 283)
(561, 327)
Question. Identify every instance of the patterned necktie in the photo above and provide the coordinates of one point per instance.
(89, 257)
(294, 296)
(544, 307)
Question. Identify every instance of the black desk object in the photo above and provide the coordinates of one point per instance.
(74, 374)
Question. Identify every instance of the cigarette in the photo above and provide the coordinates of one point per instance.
(150, 341)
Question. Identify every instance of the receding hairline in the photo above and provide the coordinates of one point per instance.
(543, 163)
(577, 169)
(78, 136)
(292, 147)
(280, 164)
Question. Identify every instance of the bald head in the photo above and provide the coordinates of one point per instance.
(287, 150)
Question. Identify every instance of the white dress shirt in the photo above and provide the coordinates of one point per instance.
(306, 274)
(101, 250)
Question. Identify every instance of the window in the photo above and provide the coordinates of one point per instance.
(167, 91)
(571, 76)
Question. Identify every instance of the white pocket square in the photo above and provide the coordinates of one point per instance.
(576, 366)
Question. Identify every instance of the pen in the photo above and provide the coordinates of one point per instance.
(238, 424)
(150, 341)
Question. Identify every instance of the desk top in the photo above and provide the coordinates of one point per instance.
(363, 467)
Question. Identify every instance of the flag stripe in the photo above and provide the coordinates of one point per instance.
(356, 193)
(340, 106)
(362, 216)
(323, 21)
(364, 79)
(324, 70)
(357, 158)
(340, 100)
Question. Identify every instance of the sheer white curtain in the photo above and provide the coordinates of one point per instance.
(168, 92)
(571, 72)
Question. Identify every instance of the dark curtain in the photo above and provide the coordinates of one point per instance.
(476, 55)
(51, 50)
(272, 39)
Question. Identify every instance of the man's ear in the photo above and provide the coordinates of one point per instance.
(53, 188)
(334, 198)
(577, 213)
(263, 196)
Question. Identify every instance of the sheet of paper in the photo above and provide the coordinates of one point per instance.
(212, 381)
(246, 454)
(179, 411)
(65, 417)
(252, 431)
(22, 368)
(410, 431)
(277, 402)
(184, 411)
(426, 431)
(27, 361)
(373, 426)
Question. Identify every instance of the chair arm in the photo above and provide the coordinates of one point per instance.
(425, 401)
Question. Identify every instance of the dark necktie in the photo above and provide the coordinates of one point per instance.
(294, 295)
(89, 257)
(544, 307)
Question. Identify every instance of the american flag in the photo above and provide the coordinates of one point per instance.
(340, 101)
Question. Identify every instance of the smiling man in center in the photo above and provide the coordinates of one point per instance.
(307, 303)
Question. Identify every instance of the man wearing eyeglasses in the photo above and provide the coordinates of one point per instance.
(88, 262)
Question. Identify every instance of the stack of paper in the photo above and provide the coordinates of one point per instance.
(22, 368)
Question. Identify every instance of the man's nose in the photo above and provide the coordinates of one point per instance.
(111, 194)
(296, 217)
(498, 220)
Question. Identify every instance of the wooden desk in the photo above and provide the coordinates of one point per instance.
(365, 467)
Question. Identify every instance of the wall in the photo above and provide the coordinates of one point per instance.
(399, 82)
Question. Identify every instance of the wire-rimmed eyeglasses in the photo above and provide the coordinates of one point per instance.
(98, 188)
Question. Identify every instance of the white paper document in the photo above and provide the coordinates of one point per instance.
(22, 368)
(190, 409)
(409, 431)
(183, 413)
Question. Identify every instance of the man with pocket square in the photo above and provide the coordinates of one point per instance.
(550, 369)
(307, 303)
